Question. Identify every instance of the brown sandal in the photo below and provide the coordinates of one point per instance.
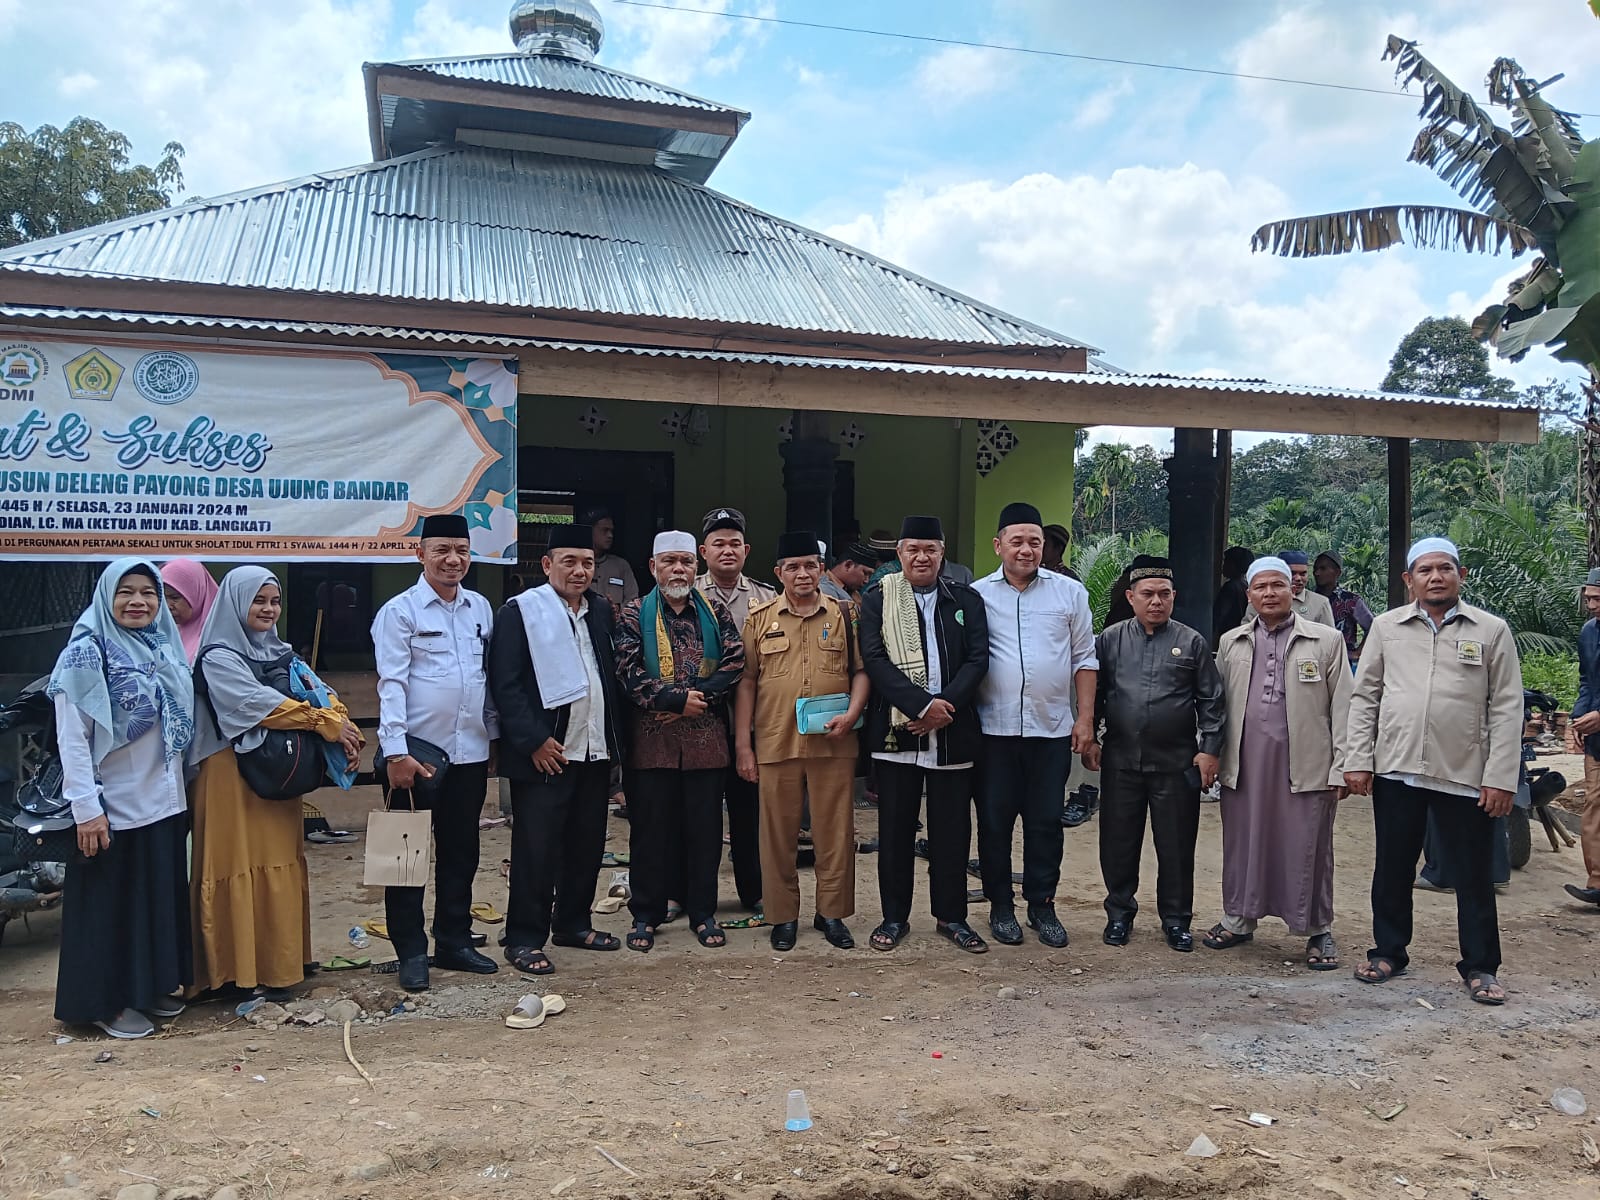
(1378, 970)
(1218, 938)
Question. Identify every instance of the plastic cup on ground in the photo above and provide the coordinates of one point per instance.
(799, 1118)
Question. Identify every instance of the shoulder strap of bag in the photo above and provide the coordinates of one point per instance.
(202, 689)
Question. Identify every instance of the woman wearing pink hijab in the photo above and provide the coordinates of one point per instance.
(190, 593)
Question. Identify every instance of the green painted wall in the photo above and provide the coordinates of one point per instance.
(923, 465)
(1037, 470)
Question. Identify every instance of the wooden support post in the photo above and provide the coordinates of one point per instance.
(1224, 503)
(1399, 517)
(1191, 497)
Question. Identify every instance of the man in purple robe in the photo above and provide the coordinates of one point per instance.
(1288, 688)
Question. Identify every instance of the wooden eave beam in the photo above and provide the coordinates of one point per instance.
(597, 375)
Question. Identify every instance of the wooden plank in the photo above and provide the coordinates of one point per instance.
(1399, 516)
(597, 376)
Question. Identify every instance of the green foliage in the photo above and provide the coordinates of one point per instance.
(1440, 357)
(1555, 674)
(1100, 562)
(57, 180)
(1527, 569)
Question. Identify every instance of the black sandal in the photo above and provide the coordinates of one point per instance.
(889, 935)
(963, 935)
(1218, 938)
(529, 961)
(1378, 970)
(643, 938)
(710, 934)
(1322, 953)
(1481, 986)
(589, 939)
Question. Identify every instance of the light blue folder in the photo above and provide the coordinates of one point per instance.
(811, 713)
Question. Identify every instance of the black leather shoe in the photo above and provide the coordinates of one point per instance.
(1587, 895)
(1178, 938)
(1074, 812)
(835, 930)
(1116, 934)
(1042, 917)
(414, 973)
(479, 939)
(784, 935)
(464, 959)
(1003, 924)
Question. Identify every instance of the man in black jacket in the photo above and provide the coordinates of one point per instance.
(925, 646)
(553, 673)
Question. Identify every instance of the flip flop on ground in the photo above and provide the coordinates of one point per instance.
(1378, 970)
(1220, 938)
(1485, 988)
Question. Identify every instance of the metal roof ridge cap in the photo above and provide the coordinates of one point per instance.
(200, 204)
(895, 268)
(423, 64)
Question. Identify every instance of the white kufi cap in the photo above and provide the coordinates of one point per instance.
(1267, 563)
(674, 541)
(1432, 545)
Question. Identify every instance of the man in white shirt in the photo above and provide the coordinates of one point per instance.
(1036, 707)
(553, 673)
(430, 644)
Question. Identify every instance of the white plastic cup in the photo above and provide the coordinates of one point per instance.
(1566, 1100)
(799, 1118)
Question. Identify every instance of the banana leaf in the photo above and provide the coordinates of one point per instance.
(1429, 226)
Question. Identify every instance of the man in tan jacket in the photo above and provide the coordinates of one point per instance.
(1283, 747)
(1436, 728)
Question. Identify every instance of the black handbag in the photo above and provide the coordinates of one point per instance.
(430, 756)
(289, 763)
(43, 829)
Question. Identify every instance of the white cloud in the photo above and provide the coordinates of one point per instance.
(678, 46)
(77, 84)
(956, 75)
(1101, 105)
(437, 32)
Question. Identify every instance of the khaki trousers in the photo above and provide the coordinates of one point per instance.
(1590, 830)
(785, 786)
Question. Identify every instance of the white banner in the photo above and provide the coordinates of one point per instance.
(117, 447)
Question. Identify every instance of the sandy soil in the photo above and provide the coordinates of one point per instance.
(1089, 1085)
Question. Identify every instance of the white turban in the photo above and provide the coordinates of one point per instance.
(1433, 545)
(1266, 563)
(674, 541)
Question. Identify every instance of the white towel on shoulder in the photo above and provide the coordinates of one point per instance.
(553, 645)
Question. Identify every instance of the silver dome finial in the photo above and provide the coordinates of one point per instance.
(563, 28)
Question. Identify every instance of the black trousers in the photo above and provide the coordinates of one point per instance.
(674, 842)
(744, 832)
(456, 809)
(558, 833)
(1465, 834)
(900, 788)
(1174, 808)
(1026, 777)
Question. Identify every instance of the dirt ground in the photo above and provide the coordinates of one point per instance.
(923, 1081)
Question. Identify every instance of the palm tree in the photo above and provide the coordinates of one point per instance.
(1531, 187)
(1512, 555)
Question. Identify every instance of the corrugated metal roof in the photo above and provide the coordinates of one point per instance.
(552, 74)
(529, 231)
(1105, 377)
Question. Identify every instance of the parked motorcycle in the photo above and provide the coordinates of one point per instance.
(37, 832)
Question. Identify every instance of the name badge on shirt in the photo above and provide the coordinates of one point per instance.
(1309, 670)
(1469, 653)
(615, 582)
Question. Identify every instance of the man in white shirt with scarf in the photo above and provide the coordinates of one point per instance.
(553, 672)
(1036, 707)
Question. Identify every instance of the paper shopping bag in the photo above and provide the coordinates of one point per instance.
(397, 848)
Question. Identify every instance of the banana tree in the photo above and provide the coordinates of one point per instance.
(1533, 187)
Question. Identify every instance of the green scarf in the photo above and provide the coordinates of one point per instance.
(658, 649)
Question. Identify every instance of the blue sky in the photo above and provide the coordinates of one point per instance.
(1112, 203)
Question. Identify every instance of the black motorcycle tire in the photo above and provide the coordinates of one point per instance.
(1519, 829)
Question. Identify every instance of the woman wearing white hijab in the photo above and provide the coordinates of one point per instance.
(251, 897)
(124, 699)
